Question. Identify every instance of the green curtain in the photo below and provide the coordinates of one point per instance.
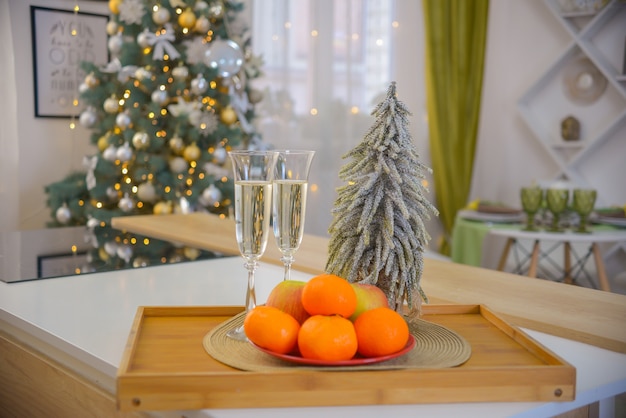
(455, 49)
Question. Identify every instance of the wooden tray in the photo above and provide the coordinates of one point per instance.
(165, 366)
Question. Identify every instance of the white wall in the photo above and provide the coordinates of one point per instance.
(524, 40)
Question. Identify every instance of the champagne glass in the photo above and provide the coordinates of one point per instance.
(557, 203)
(290, 191)
(253, 172)
(583, 202)
(531, 203)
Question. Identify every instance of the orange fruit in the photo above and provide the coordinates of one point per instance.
(327, 337)
(272, 329)
(328, 294)
(380, 331)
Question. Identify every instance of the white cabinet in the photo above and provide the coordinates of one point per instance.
(586, 82)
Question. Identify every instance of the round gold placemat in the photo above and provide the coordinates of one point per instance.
(436, 347)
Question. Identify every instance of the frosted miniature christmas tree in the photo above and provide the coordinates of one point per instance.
(378, 234)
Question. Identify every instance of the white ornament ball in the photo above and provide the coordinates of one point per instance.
(83, 87)
(110, 153)
(146, 192)
(159, 97)
(219, 155)
(111, 105)
(176, 144)
(181, 72)
(202, 25)
(255, 96)
(199, 85)
(88, 118)
(63, 214)
(92, 222)
(123, 120)
(142, 74)
(225, 56)
(201, 5)
(211, 195)
(125, 252)
(161, 16)
(194, 117)
(141, 140)
(115, 44)
(126, 204)
(143, 39)
(178, 165)
(192, 152)
(111, 28)
(110, 247)
(124, 153)
(112, 194)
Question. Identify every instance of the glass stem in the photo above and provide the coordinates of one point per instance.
(287, 261)
(251, 266)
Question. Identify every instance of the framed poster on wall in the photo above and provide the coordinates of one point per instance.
(62, 39)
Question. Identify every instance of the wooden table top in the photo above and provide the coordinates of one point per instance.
(586, 315)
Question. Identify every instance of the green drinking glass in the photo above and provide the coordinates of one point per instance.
(531, 203)
(583, 202)
(556, 200)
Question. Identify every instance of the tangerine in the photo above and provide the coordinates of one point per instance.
(272, 329)
(327, 337)
(328, 294)
(380, 332)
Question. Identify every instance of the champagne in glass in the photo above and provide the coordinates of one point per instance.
(289, 207)
(253, 201)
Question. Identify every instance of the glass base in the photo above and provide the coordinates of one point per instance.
(237, 334)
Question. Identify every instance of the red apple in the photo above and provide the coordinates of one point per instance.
(368, 296)
(286, 296)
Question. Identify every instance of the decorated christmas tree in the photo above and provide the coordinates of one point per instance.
(378, 234)
(172, 100)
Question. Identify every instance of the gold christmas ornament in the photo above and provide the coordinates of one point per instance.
(103, 143)
(192, 152)
(163, 208)
(176, 144)
(187, 19)
(114, 6)
(228, 115)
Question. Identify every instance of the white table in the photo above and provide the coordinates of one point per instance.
(567, 239)
(83, 323)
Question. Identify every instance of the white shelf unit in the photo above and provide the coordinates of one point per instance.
(600, 36)
(598, 159)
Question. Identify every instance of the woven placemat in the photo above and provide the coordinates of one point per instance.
(436, 347)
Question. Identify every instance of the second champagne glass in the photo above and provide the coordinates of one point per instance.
(291, 178)
(253, 171)
(557, 200)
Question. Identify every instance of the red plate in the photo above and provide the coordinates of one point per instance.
(355, 361)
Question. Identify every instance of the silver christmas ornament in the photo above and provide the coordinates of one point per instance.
(88, 118)
(126, 204)
(225, 56)
(219, 155)
(143, 39)
(201, 5)
(141, 261)
(92, 222)
(216, 11)
(141, 140)
(142, 74)
(178, 165)
(110, 153)
(123, 120)
(110, 247)
(202, 25)
(124, 153)
(159, 97)
(125, 252)
(111, 105)
(112, 194)
(211, 195)
(161, 16)
(63, 214)
(146, 192)
(115, 44)
(199, 85)
(176, 144)
(180, 73)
